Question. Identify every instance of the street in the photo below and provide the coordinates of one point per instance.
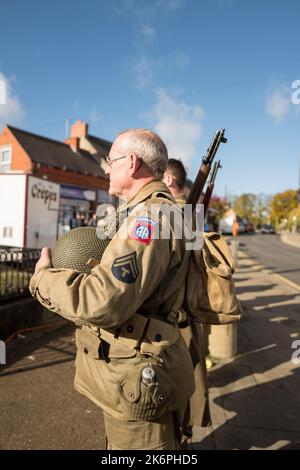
(253, 397)
(121, 164)
(269, 251)
(39, 407)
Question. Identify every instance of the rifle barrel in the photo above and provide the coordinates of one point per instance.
(214, 172)
(204, 170)
(210, 186)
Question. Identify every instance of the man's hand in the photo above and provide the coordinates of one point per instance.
(44, 260)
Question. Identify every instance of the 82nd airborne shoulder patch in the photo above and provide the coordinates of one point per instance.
(125, 268)
(142, 230)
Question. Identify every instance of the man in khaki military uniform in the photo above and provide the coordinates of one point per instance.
(131, 359)
(197, 412)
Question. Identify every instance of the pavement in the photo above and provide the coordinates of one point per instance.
(254, 397)
(289, 238)
(39, 407)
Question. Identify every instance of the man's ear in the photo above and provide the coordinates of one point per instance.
(168, 179)
(134, 164)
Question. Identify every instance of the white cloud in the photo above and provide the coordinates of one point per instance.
(11, 111)
(171, 5)
(145, 8)
(146, 68)
(148, 32)
(2, 92)
(179, 125)
(278, 103)
(144, 71)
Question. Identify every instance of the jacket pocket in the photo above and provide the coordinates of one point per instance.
(88, 343)
(145, 401)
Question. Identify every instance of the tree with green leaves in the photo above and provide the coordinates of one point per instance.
(245, 205)
(282, 204)
(218, 207)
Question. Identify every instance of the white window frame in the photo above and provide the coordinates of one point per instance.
(5, 164)
(7, 232)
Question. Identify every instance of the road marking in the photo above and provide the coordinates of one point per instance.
(270, 271)
(287, 281)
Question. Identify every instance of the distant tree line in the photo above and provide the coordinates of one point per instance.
(281, 210)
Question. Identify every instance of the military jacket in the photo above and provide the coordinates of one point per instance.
(124, 305)
(136, 272)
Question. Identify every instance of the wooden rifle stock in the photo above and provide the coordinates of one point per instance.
(204, 170)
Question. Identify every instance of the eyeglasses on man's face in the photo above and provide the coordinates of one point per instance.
(109, 160)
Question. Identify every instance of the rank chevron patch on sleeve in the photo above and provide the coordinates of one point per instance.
(125, 268)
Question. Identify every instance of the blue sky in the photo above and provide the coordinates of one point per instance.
(184, 68)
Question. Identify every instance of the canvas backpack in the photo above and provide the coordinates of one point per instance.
(210, 293)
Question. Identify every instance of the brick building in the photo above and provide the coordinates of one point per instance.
(77, 165)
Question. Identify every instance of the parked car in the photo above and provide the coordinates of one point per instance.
(249, 227)
(225, 227)
(242, 227)
(268, 228)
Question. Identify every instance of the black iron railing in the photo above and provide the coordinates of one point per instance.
(16, 269)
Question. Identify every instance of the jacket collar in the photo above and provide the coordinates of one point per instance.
(151, 189)
(181, 197)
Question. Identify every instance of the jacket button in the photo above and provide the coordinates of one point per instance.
(130, 329)
(85, 350)
(157, 338)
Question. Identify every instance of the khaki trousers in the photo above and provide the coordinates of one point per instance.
(164, 433)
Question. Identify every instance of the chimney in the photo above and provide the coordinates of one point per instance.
(74, 143)
(79, 129)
